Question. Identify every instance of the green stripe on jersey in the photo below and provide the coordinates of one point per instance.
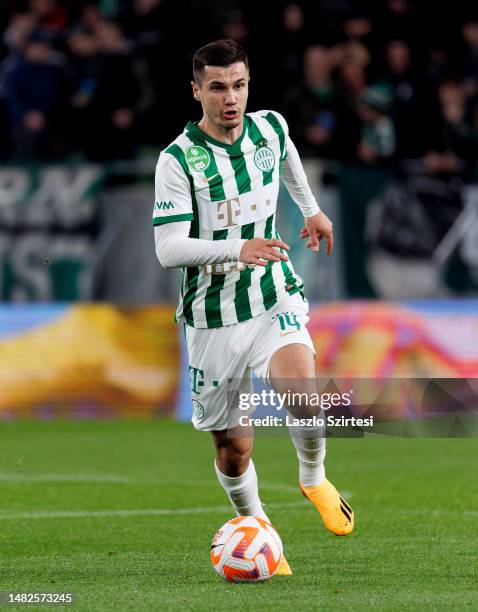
(173, 219)
(192, 277)
(216, 187)
(290, 279)
(238, 163)
(256, 136)
(272, 119)
(213, 292)
(269, 295)
(241, 299)
(183, 278)
(178, 153)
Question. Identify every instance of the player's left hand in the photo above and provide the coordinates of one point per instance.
(317, 227)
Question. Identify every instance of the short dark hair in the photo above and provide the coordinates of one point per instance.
(218, 53)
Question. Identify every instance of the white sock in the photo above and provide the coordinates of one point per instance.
(243, 492)
(310, 445)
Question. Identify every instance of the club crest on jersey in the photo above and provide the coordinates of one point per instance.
(197, 158)
(264, 158)
(198, 410)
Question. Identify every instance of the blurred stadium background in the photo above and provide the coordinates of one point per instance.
(382, 101)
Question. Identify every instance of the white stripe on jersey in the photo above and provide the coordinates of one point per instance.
(254, 173)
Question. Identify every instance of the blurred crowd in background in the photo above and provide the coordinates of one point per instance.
(381, 83)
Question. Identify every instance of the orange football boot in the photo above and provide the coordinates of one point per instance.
(336, 513)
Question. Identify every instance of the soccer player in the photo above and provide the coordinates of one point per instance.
(241, 303)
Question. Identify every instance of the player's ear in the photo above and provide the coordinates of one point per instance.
(196, 92)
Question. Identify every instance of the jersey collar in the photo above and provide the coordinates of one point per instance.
(196, 132)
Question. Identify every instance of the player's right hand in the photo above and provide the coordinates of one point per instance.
(259, 251)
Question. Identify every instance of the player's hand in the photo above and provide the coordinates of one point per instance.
(317, 227)
(259, 251)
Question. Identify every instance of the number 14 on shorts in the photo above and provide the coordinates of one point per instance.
(288, 322)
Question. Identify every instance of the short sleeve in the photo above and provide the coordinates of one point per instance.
(173, 200)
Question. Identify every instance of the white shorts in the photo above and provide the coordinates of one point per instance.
(221, 355)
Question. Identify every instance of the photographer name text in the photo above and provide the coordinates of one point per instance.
(314, 421)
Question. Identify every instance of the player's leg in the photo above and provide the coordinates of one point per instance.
(219, 374)
(292, 368)
(233, 463)
(236, 472)
(218, 365)
(283, 355)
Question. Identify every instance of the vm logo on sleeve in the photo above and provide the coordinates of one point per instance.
(164, 205)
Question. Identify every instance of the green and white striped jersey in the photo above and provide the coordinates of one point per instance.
(227, 192)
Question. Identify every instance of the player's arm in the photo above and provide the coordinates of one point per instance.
(172, 218)
(175, 249)
(316, 223)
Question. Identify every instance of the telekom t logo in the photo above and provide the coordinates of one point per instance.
(196, 378)
(232, 209)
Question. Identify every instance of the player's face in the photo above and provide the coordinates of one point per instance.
(223, 94)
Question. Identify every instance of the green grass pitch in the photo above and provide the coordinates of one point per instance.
(122, 514)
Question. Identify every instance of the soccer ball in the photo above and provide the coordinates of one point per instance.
(246, 549)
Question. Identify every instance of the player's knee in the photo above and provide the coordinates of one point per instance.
(300, 396)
